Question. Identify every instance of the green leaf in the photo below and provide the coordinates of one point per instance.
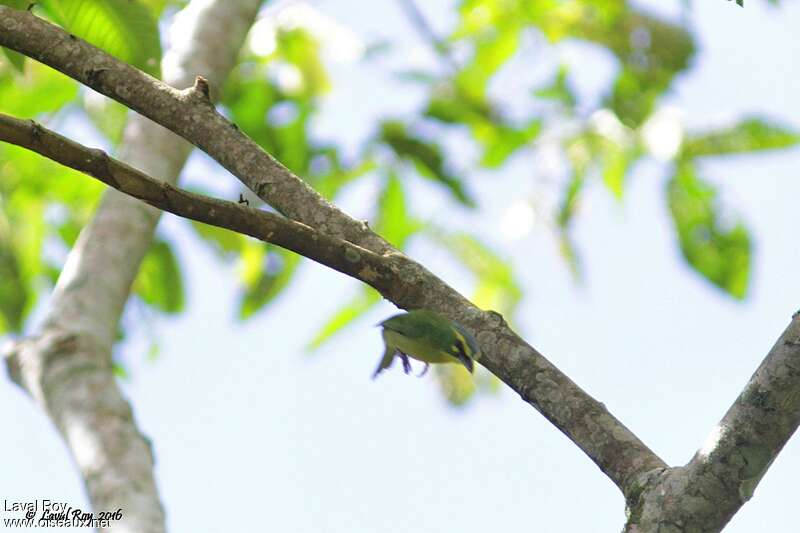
(501, 141)
(491, 52)
(496, 285)
(651, 53)
(267, 272)
(13, 289)
(493, 28)
(559, 89)
(394, 222)
(498, 137)
(570, 201)
(615, 162)
(427, 156)
(156, 7)
(159, 282)
(16, 59)
(365, 300)
(330, 182)
(569, 252)
(22, 95)
(566, 213)
(278, 122)
(15, 4)
(225, 243)
(749, 135)
(301, 49)
(22, 231)
(717, 248)
(119, 370)
(125, 29)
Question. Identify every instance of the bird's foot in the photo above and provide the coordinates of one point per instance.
(424, 370)
(406, 363)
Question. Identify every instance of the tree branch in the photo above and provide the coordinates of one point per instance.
(617, 451)
(721, 477)
(66, 365)
(185, 113)
(336, 253)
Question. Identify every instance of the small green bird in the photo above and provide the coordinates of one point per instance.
(427, 337)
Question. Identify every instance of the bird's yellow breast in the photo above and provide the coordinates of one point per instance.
(416, 349)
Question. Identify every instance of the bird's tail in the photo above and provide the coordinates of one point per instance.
(386, 361)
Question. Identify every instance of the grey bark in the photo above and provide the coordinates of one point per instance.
(703, 495)
(66, 366)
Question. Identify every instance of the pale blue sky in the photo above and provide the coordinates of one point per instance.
(253, 434)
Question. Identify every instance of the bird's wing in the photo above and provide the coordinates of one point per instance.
(386, 361)
(416, 330)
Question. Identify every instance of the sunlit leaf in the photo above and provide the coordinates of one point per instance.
(615, 161)
(566, 212)
(125, 29)
(456, 383)
(21, 96)
(267, 271)
(329, 182)
(225, 243)
(16, 59)
(491, 52)
(156, 7)
(715, 246)
(498, 137)
(362, 302)
(749, 135)
(496, 286)
(570, 200)
(394, 222)
(558, 90)
(501, 141)
(301, 49)
(276, 121)
(159, 282)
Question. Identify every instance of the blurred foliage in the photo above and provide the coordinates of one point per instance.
(40, 201)
(714, 246)
(274, 96)
(159, 282)
(16, 59)
(127, 29)
(750, 135)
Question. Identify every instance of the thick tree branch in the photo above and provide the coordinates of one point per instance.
(705, 494)
(617, 451)
(66, 365)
